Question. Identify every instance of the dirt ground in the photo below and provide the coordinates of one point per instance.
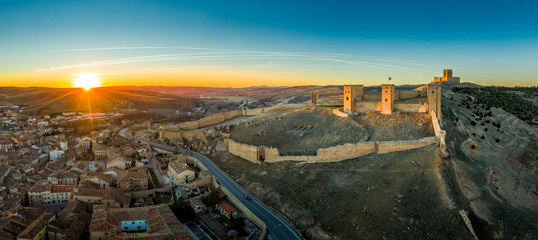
(388, 196)
(301, 131)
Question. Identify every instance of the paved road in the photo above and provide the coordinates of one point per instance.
(276, 226)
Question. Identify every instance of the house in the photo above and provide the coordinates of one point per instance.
(133, 179)
(86, 142)
(226, 209)
(37, 229)
(99, 151)
(15, 220)
(197, 205)
(151, 222)
(110, 197)
(180, 172)
(118, 162)
(97, 180)
(6, 145)
(44, 193)
(113, 152)
(55, 154)
(69, 177)
(71, 222)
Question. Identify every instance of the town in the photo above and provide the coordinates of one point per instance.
(59, 184)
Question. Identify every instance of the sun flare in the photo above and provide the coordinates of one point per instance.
(87, 80)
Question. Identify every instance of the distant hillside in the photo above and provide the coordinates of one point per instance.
(56, 100)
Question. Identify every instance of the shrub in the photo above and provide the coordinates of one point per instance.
(482, 137)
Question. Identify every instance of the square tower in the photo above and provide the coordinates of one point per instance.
(387, 98)
(447, 73)
(351, 94)
(434, 99)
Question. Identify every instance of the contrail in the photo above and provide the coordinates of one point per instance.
(234, 54)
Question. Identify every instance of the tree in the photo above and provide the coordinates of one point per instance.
(182, 210)
(213, 197)
(237, 223)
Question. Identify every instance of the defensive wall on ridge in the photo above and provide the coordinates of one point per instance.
(259, 154)
(219, 118)
(174, 131)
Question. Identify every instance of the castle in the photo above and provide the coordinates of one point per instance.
(424, 99)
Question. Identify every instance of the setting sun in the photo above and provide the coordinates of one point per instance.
(87, 80)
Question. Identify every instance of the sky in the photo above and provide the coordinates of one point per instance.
(274, 43)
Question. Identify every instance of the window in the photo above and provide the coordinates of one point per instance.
(385, 100)
(347, 98)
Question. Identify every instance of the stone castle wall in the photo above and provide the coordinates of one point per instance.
(246, 151)
(409, 107)
(365, 106)
(397, 146)
(330, 154)
(218, 118)
(345, 151)
(406, 94)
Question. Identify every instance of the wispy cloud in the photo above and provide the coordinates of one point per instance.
(207, 54)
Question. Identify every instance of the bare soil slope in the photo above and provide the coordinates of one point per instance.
(301, 131)
(389, 196)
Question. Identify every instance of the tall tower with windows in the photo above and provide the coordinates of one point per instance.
(434, 99)
(351, 94)
(387, 98)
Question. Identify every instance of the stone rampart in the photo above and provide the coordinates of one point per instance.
(345, 151)
(435, 123)
(365, 106)
(407, 106)
(218, 118)
(406, 94)
(372, 97)
(243, 150)
(189, 125)
(331, 154)
(396, 146)
(296, 158)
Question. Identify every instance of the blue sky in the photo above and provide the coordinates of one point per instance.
(243, 43)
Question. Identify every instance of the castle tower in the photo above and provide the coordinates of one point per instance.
(161, 132)
(434, 99)
(447, 73)
(351, 94)
(387, 98)
(314, 98)
(447, 77)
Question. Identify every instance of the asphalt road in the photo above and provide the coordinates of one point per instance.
(276, 226)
